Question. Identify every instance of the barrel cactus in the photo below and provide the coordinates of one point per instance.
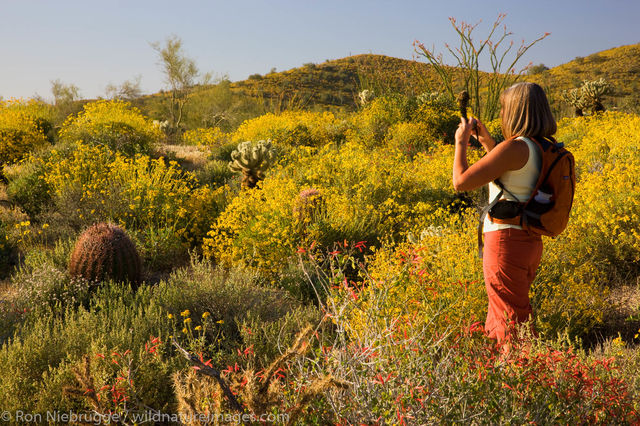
(252, 160)
(104, 251)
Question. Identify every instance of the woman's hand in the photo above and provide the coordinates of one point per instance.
(484, 137)
(463, 133)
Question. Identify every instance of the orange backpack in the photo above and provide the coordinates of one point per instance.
(546, 212)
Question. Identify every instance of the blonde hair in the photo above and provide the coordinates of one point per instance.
(526, 112)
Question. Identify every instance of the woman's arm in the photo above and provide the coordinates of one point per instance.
(510, 155)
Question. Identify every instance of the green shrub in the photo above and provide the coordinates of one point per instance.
(48, 290)
(215, 173)
(27, 188)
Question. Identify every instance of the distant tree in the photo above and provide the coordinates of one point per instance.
(180, 73)
(537, 69)
(64, 100)
(64, 94)
(128, 90)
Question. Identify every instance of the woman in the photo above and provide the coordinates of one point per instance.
(511, 255)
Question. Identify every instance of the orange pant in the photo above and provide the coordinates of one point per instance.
(511, 257)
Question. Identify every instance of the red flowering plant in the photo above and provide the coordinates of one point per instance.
(120, 383)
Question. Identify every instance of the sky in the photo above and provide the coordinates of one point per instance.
(91, 44)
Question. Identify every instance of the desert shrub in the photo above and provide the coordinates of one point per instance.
(48, 290)
(409, 138)
(223, 152)
(211, 136)
(440, 122)
(215, 173)
(42, 113)
(437, 272)
(113, 124)
(27, 187)
(163, 205)
(371, 124)
(20, 132)
(256, 228)
(292, 128)
(97, 184)
(495, 129)
(54, 254)
(45, 351)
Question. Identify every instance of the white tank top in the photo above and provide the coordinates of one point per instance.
(520, 183)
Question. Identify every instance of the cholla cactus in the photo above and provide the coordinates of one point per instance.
(594, 91)
(589, 95)
(575, 98)
(252, 160)
(365, 96)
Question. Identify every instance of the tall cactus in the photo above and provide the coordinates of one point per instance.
(575, 98)
(589, 95)
(252, 160)
(594, 92)
(104, 251)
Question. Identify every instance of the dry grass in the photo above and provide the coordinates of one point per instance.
(7, 290)
(189, 157)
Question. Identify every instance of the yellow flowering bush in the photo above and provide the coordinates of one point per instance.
(436, 279)
(20, 132)
(210, 136)
(601, 245)
(368, 196)
(256, 229)
(114, 124)
(440, 122)
(371, 124)
(93, 183)
(409, 138)
(43, 114)
(292, 128)
(495, 129)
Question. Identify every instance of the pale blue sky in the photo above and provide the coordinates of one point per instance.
(93, 43)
